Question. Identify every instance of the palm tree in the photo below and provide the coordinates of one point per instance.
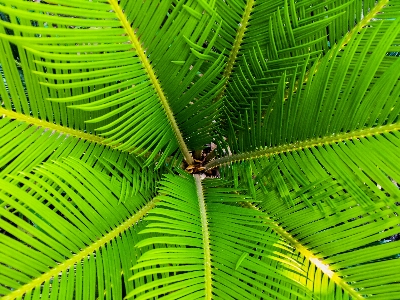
(199, 149)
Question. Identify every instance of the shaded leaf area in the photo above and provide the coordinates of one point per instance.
(24, 146)
(286, 33)
(66, 233)
(120, 72)
(231, 255)
(328, 106)
(4, 90)
(353, 89)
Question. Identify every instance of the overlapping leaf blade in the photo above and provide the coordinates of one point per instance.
(24, 146)
(351, 226)
(334, 193)
(313, 135)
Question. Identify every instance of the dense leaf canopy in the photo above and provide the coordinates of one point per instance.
(178, 149)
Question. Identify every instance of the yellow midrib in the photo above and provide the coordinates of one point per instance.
(82, 254)
(206, 238)
(311, 257)
(60, 129)
(153, 78)
(377, 8)
(236, 46)
(327, 140)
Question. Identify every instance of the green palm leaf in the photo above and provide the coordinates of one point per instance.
(286, 33)
(64, 230)
(336, 142)
(123, 79)
(23, 146)
(216, 245)
(107, 107)
(345, 239)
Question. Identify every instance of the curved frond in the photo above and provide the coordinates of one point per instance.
(290, 108)
(342, 216)
(333, 194)
(124, 84)
(218, 249)
(337, 204)
(65, 228)
(23, 146)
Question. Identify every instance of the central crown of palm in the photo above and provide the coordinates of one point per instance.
(104, 105)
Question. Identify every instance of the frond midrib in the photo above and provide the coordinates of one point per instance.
(37, 282)
(236, 45)
(62, 130)
(206, 237)
(51, 126)
(326, 140)
(150, 72)
(364, 22)
(310, 256)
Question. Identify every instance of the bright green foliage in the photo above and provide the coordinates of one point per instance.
(106, 106)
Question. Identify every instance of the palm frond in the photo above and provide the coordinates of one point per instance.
(215, 245)
(339, 102)
(286, 33)
(329, 204)
(65, 232)
(345, 227)
(23, 146)
(334, 193)
(125, 86)
(102, 103)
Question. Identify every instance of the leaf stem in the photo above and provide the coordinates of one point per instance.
(206, 238)
(153, 78)
(82, 254)
(59, 128)
(236, 45)
(326, 140)
(63, 130)
(377, 8)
